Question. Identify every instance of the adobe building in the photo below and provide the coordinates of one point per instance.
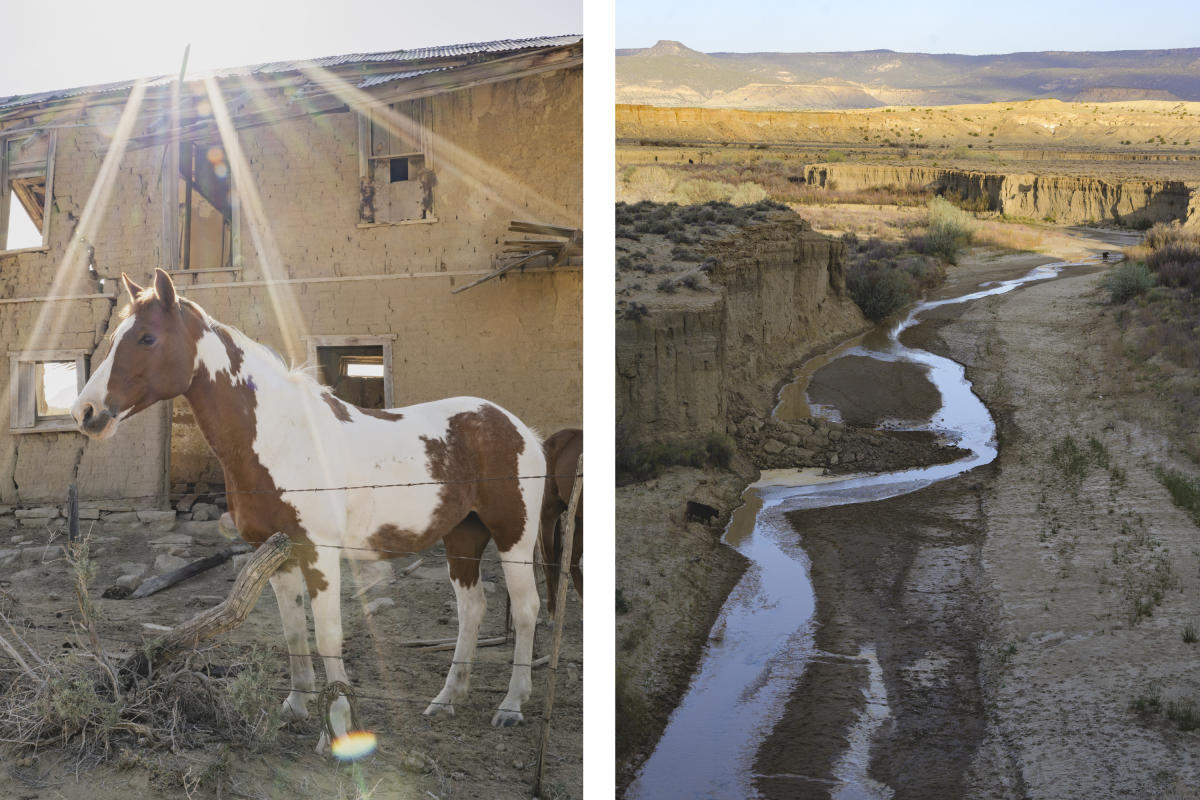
(334, 210)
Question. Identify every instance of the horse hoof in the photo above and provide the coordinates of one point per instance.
(436, 709)
(507, 719)
(289, 713)
(322, 744)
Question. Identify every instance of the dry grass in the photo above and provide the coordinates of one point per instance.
(1009, 235)
(77, 699)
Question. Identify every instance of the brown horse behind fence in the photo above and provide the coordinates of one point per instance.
(562, 457)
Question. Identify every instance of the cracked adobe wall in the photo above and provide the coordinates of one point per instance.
(510, 150)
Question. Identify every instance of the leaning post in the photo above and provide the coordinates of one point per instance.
(564, 568)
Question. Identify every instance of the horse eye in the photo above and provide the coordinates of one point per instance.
(147, 339)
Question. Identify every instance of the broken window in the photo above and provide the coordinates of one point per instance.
(397, 177)
(26, 170)
(206, 207)
(43, 386)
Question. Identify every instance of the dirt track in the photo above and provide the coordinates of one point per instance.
(460, 756)
(1001, 604)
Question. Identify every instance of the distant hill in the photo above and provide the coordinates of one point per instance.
(672, 74)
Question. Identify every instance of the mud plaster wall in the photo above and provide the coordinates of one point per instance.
(511, 150)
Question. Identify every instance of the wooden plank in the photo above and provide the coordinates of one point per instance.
(523, 226)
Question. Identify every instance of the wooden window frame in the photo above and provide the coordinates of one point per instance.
(315, 341)
(23, 394)
(8, 172)
(235, 223)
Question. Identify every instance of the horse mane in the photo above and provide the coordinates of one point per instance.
(300, 374)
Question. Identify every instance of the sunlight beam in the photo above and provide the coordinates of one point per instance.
(70, 277)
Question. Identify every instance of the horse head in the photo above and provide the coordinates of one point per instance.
(152, 358)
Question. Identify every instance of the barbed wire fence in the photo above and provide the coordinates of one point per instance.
(551, 661)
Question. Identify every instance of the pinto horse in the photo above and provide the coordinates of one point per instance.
(462, 470)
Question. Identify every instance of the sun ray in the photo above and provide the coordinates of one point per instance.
(283, 300)
(70, 277)
(512, 193)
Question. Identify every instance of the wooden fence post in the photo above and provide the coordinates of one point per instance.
(564, 578)
(72, 514)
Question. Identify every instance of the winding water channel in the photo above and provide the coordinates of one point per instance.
(763, 638)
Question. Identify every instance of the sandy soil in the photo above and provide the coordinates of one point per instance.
(461, 756)
(1004, 605)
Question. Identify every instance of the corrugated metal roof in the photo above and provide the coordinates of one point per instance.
(498, 47)
(377, 80)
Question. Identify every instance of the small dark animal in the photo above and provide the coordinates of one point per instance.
(699, 512)
(562, 456)
(1104, 256)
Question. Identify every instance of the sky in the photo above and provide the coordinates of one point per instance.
(101, 42)
(969, 27)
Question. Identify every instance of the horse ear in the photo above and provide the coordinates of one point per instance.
(132, 288)
(164, 288)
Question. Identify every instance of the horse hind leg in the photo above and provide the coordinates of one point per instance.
(288, 584)
(517, 562)
(464, 547)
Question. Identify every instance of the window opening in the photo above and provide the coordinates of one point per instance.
(206, 207)
(43, 385)
(354, 373)
(26, 163)
(56, 387)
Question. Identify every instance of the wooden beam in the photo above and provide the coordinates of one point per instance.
(497, 273)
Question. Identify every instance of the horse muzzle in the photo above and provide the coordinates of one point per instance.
(96, 421)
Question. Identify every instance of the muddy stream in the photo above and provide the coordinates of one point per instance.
(763, 639)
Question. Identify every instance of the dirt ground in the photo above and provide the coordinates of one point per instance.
(672, 576)
(460, 756)
(1030, 625)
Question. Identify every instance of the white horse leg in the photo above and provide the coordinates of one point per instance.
(288, 584)
(464, 546)
(327, 621)
(522, 591)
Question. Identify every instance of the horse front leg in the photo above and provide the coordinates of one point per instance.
(464, 547)
(325, 595)
(288, 584)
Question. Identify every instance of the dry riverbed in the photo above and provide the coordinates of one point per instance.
(1030, 617)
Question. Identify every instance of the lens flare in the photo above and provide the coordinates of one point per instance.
(353, 746)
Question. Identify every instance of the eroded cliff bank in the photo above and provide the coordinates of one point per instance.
(1065, 199)
(765, 296)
